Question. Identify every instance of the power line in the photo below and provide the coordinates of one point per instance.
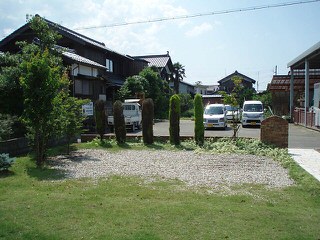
(246, 9)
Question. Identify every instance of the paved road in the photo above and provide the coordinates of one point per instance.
(299, 137)
(187, 129)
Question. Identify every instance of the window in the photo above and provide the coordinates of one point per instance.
(214, 110)
(129, 107)
(109, 65)
(83, 87)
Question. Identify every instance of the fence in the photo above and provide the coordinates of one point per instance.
(299, 117)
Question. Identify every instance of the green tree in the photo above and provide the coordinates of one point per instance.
(265, 97)
(198, 120)
(45, 89)
(174, 118)
(234, 99)
(152, 86)
(187, 105)
(132, 86)
(11, 99)
(244, 95)
(157, 90)
(73, 118)
(178, 75)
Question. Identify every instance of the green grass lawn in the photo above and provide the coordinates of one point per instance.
(34, 205)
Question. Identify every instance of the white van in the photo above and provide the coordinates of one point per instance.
(252, 113)
(214, 116)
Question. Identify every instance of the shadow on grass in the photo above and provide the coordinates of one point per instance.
(46, 173)
(6, 173)
(154, 146)
(61, 149)
(124, 145)
(105, 144)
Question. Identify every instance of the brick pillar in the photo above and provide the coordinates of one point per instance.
(274, 130)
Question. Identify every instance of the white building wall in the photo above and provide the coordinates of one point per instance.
(84, 70)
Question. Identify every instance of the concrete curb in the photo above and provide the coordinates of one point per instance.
(309, 159)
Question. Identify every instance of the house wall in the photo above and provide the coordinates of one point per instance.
(229, 85)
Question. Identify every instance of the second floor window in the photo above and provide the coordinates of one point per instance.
(109, 65)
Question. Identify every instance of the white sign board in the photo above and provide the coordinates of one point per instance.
(87, 109)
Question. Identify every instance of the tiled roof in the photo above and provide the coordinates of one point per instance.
(236, 73)
(281, 83)
(159, 61)
(81, 59)
(115, 80)
(83, 38)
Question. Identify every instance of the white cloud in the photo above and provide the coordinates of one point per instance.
(198, 30)
(8, 31)
(133, 39)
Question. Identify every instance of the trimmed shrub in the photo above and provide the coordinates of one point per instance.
(5, 161)
(100, 118)
(198, 120)
(147, 121)
(119, 123)
(174, 117)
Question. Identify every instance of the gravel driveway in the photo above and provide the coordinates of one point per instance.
(194, 169)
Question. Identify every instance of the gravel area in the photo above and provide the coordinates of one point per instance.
(194, 169)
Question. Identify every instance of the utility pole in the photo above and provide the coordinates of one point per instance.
(258, 83)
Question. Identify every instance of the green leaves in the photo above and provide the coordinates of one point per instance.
(198, 121)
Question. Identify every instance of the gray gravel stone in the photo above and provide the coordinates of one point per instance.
(195, 169)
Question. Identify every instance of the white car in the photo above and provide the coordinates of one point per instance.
(233, 113)
(252, 113)
(215, 116)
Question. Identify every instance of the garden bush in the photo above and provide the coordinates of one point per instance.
(198, 121)
(5, 161)
(100, 118)
(147, 121)
(174, 117)
(119, 122)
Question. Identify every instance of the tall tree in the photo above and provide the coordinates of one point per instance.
(45, 89)
(152, 85)
(132, 86)
(178, 75)
(234, 99)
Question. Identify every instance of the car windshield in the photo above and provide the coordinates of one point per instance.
(252, 108)
(230, 108)
(214, 110)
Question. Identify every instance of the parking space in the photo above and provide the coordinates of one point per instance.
(187, 129)
(299, 137)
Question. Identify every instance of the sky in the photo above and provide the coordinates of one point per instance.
(210, 47)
